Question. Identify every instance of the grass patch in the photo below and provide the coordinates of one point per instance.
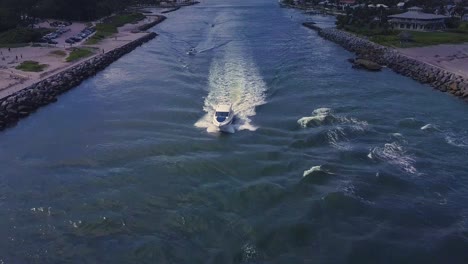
(60, 53)
(79, 53)
(110, 25)
(122, 19)
(102, 31)
(31, 66)
(20, 37)
(421, 39)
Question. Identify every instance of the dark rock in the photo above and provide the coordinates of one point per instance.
(367, 64)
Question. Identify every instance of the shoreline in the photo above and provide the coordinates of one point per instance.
(13, 80)
(421, 71)
(22, 102)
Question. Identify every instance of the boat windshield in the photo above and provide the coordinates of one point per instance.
(222, 114)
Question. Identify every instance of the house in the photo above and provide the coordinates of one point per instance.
(416, 20)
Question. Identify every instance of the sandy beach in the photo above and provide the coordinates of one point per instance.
(12, 80)
(451, 57)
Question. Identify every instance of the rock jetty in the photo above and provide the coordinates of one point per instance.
(26, 101)
(434, 76)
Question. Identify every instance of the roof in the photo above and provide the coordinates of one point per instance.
(401, 4)
(347, 1)
(418, 15)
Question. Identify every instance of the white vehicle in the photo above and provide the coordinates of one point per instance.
(191, 51)
(223, 116)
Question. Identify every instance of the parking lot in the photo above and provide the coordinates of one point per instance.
(70, 31)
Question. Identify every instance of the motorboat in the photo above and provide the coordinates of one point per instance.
(191, 51)
(223, 116)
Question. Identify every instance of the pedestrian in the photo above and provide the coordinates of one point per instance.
(9, 50)
(21, 55)
(102, 51)
(16, 57)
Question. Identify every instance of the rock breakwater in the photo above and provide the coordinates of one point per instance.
(26, 101)
(158, 20)
(434, 76)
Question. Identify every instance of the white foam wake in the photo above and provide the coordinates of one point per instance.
(394, 154)
(318, 117)
(341, 127)
(234, 79)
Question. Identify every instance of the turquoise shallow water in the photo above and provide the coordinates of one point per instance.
(326, 164)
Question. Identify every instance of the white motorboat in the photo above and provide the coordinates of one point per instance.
(223, 116)
(191, 51)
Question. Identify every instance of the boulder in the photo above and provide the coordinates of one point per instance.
(367, 64)
(453, 86)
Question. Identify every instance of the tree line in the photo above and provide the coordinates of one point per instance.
(24, 12)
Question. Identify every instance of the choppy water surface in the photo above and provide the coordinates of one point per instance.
(326, 164)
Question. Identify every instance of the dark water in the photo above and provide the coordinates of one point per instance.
(327, 164)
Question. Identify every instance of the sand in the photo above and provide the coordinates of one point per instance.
(451, 57)
(12, 80)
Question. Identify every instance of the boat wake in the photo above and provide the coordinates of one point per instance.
(339, 129)
(394, 154)
(234, 79)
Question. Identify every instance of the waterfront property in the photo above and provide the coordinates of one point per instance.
(417, 20)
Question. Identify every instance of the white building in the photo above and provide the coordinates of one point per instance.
(416, 20)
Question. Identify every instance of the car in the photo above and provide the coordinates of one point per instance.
(52, 42)
(69, 41)
(76, 38)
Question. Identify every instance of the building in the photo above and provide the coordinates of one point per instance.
(416, 20)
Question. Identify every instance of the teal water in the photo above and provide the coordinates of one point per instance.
(326, 164)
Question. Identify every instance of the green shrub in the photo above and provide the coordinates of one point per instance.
(31, 66)
(79, 53)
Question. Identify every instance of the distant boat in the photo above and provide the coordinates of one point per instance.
(192, 51)
(223, 116)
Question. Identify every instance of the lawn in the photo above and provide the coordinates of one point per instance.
(79, 53)
(419, 39)
(110, 25)
(422, 39)
(31, 66)
(21, 36)
(122, 19)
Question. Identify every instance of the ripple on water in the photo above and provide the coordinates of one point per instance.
(336, 130)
